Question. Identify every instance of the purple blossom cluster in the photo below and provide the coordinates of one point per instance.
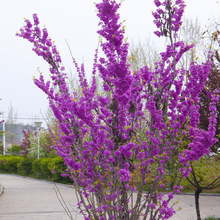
(139, 122)
(168, 16)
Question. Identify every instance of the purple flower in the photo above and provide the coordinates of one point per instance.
(157, 3)
(170, 195)
(36, 20)
(124, 175)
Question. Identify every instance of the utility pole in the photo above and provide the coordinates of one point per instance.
(38, 126)
(3, 134)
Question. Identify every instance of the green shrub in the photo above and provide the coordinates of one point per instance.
(3, 160)
(41, 167)
(51, 169)
(1, 149)
(11, 164)
(57, 167)
(36, 166)
(45, 168)
(15, 149)
(25, 166)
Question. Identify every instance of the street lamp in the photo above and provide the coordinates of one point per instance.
(38, 126)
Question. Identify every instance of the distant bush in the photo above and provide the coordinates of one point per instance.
(3, 160)
(11, 163)
(15, 149)
(1, 149)
(36, 166)
(25, 166)
(57, 167)
(45, 168)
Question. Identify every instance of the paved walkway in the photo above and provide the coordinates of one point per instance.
(30, 199)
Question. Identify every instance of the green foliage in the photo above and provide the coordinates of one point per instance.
(15, 149)
(211, 218)
(25, 166)
(1, 148)
(57, 167)
(9, 163)
(3, 160)
(45, 144)
(45, 168)
(51, 168)
(207, 169)
(36, 166)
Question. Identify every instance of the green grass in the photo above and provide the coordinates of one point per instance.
(211, 218)
(207, 168)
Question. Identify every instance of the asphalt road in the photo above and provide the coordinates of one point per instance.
(31, 199)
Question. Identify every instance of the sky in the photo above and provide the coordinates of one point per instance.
(76, 22)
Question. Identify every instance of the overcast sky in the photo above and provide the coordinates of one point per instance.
(76, 21)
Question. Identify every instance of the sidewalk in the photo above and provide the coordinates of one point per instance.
(31, 199)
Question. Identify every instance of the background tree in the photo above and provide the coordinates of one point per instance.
(143, 54)
(25, 143)
(14, 149)
(191, 33)
(11, 124)
(29, 143)
(46, 144)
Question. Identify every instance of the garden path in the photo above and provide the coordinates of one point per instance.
(26, 198)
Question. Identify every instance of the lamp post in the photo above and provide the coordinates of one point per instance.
(38, 126)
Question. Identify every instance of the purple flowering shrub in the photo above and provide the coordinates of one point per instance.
(105, 140)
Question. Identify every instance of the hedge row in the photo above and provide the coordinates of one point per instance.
(45, 168)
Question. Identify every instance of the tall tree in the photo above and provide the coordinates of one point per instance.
(25, 143)
(11, 126)
(143, 54)
(106, 141)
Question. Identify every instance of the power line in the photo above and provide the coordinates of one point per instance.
(26, 118)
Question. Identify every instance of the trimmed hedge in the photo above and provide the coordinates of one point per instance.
(45, 168)
(9, 163)
(25, 166)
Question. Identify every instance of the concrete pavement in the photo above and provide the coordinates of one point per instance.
(31, 199)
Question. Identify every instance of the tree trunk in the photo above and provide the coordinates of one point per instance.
(197, 192)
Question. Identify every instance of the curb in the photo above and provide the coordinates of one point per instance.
(1, 190)
(37, 179)
(201, 194)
